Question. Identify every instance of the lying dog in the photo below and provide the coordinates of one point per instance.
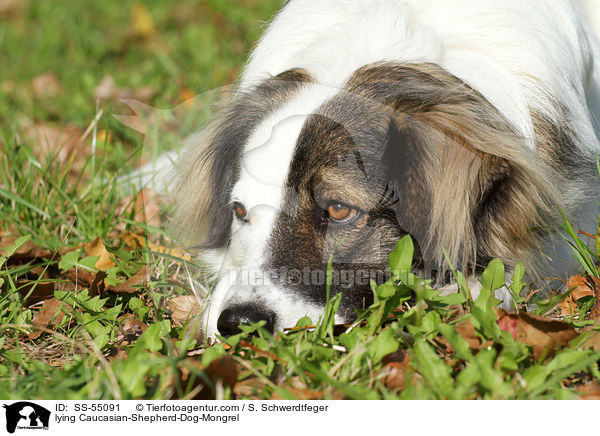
(463, 124)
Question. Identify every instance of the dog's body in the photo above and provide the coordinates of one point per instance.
(464, 124)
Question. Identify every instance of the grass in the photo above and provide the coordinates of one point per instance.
(94, 300)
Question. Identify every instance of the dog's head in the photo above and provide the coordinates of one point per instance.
(293, 174)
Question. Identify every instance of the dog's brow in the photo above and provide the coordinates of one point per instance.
(344, 186)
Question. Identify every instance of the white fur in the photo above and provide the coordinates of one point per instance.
(509, 50)
(517, 53)
(260, 189)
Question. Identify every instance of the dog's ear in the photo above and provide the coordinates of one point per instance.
(210, 164)
(466, 181)
(489, 191)
(406, 162)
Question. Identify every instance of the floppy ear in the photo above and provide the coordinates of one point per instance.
(210, 165)
(406, 162)
(467, 183)
(490, 192)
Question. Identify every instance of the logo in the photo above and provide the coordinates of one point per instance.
(26, 415)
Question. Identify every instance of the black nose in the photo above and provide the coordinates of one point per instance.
(233, 316)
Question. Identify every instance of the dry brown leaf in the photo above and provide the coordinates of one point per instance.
(584, 286)
(49, 315)
(135, 241)
(132, 329)
(46, 85)
(589, 391)
(468, 333)
(132, 284)
(183, 308)
(393, 373)
(97, 248)
(40, 291)
(116, 353)
(222, 371)
(508, 324)
(543, 334)
(569, 304)
(129, 333)
(79, 278)
(26, 252)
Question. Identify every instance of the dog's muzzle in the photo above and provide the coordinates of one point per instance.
(244, 314)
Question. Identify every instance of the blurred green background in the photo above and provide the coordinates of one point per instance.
(59, 59)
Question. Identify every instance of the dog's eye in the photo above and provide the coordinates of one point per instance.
(340, 212)
(240, 211)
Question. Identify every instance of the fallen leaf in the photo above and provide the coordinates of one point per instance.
(542, 334)
(132, 329)
(135, 242)
(468, 333)
(131, 285)
(508, 324)
(79, 278)
(26, 252)
(97, 248)
(146, 208)
(37, 291)
(49, 315)
(589, 391)
(222, 371)
(116, 353)
(393, 373)
(183, 308)
(583, 286)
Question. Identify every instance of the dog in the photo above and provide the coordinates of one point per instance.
(466, 125)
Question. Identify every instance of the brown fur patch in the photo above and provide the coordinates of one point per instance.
(488, 190)
(209, 168)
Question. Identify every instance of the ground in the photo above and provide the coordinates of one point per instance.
(95, 299)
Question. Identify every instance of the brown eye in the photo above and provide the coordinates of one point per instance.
(240, 211)
(341, 212)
